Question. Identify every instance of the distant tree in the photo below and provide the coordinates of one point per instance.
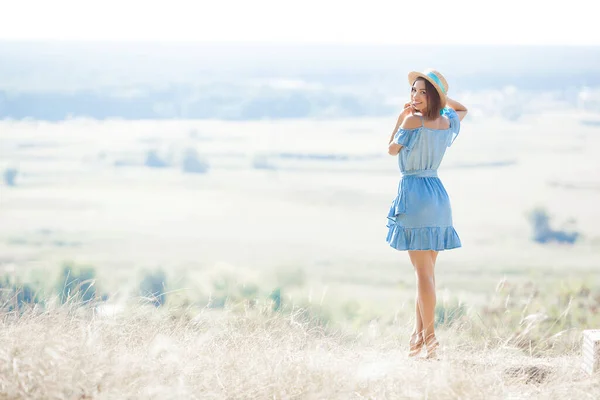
(153, 160)
(14, 295)
(153, 287)
(10, 175)
(276, 297)
(193, 163)
(543, 233)
(76, 282)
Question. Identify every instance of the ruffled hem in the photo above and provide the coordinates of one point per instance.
(427, 238)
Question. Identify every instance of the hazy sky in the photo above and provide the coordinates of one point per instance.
(316, 21)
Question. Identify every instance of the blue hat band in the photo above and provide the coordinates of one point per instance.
(436, 80)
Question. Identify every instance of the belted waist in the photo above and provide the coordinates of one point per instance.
(421, 173)
(399, 205)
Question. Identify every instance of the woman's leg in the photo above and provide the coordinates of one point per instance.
(418, 329)
(417, 341)
(424, 263)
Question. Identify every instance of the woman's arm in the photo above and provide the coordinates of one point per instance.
(394, 148)
(456, 106)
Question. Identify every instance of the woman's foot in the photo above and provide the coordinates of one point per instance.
(416, 344)
(432, 344)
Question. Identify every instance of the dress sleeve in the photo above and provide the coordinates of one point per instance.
(454, 124)
(406, 137)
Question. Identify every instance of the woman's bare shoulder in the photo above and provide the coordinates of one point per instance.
(411, 122)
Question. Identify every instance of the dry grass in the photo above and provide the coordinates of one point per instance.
(68, 352)
(72, 202)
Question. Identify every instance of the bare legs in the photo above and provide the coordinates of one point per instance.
(424, 263)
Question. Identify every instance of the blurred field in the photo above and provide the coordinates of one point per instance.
(293, 213)
(295, 195)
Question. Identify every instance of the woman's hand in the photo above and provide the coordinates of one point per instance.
(408, 110)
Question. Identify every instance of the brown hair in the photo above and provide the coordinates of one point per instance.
(434, 103)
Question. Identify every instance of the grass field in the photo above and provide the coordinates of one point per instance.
(299, 207)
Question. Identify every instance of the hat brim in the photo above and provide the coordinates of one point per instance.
(412, 77)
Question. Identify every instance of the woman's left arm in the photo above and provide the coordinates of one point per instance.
(456, 106)
(394, 148)
(398, 123)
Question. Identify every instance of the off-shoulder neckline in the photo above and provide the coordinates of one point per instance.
(424, 127)
(431, 129)
(435, 130)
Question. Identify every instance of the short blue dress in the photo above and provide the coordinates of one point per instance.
(420, 217)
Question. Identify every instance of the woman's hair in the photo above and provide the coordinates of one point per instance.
(434, 103)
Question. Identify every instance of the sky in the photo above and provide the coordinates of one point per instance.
(527, 22)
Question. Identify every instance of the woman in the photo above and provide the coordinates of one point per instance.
(420, 218)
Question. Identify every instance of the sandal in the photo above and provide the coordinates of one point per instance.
(432, 345)
(415, 347)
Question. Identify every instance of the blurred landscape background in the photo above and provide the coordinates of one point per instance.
(204, 175)
(183, 156)
(251, 81)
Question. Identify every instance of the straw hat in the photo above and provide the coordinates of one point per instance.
(435, 78)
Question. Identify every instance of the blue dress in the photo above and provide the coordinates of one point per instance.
(420, 217)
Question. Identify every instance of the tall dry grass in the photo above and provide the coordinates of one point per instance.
(248, 351)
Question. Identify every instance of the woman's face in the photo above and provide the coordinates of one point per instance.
(418, 95)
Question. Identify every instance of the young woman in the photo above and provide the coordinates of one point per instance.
(420, 217)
